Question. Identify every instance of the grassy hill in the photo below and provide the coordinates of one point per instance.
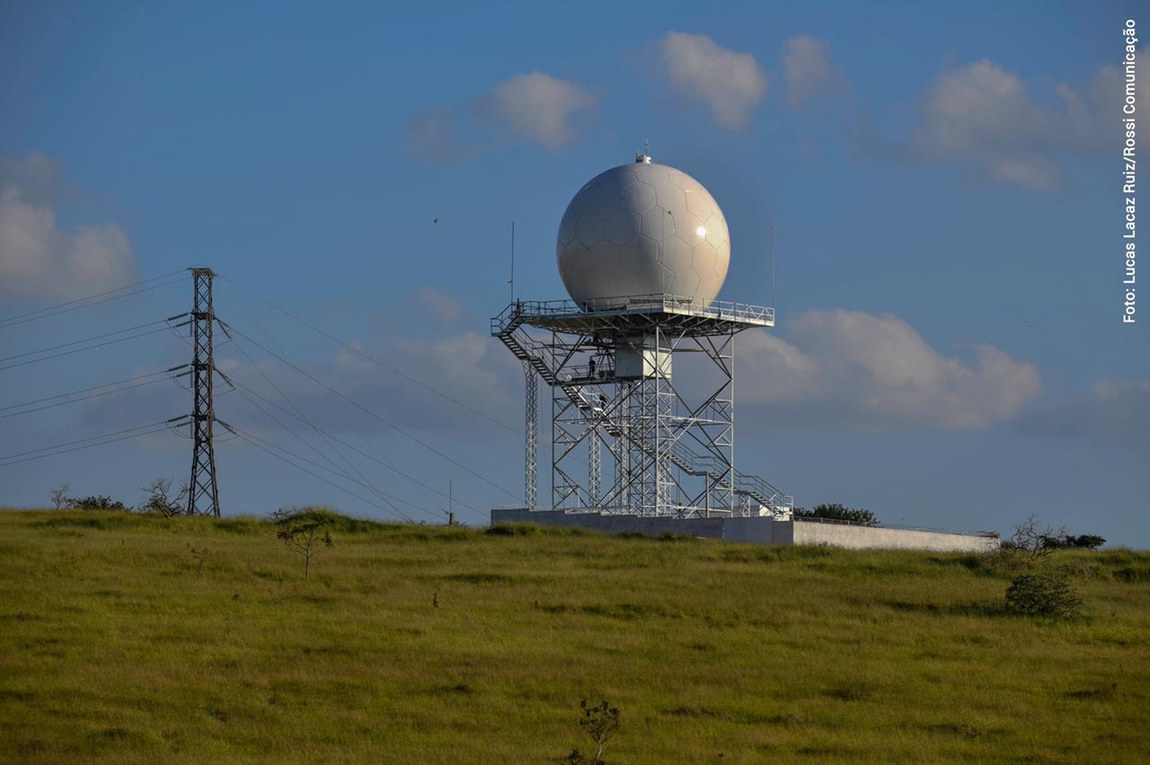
(132, 639)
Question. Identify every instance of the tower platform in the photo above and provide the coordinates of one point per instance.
(634, 315)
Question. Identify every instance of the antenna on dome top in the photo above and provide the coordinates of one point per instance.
(644, 157)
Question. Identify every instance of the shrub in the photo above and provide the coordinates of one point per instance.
(837, 512)
(97, 502)
(1040, 595)
(328, 519)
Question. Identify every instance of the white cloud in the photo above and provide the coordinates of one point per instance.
(730, 84)
(37, 258)
(853, 370)
(982, 115)
(433, 133)
(809, 70)
(537, 107)
(447, 310)
(1114, 413)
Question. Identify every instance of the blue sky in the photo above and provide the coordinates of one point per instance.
(943, 180)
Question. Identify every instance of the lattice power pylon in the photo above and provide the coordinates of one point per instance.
(203, 488)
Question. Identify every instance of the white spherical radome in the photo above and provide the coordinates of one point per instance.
(643, 229)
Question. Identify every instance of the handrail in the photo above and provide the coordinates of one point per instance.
(713, 309)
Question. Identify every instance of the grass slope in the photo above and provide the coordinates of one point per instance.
(116, 646)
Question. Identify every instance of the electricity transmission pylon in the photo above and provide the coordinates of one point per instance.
(203, 488)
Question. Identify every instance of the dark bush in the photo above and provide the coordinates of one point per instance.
(328, 519)
(838, 512)
(1040, 595)
(98, 502)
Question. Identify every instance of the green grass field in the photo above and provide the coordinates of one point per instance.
(118, 646)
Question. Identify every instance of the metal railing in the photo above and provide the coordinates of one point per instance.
(713, 309)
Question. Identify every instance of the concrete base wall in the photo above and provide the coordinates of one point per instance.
(756, 529)
(881, 538)
(613, 524)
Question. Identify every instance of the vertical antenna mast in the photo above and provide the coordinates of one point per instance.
(203, 488)
(511, 281)
(773, 306)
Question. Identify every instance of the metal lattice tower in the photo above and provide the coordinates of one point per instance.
(617, 415)
(203, 488)
(530, 435)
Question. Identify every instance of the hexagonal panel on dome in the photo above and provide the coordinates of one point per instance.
(677, 253)
(704, 259)
(671, 197)
(689, 227)
(717, 233)
(638, 197)
(655, 223)
(622, 227)
(589, 229)
(566, 230)
(641, 257)
(689, 281)
(699, 204)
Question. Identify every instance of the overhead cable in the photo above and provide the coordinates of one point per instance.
(375, 416)
(368, 357)
(91, 300)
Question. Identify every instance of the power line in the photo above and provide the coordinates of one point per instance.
(359, 352)
(98, 394)
(299, 415)
(243, 392)
(374, 415)
(360, 480)
(274, 450)
(88, 339)
(85, 443)
(91, 300)
(83, 349)
(94, 387)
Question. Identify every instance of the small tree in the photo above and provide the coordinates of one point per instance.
(60, 495)
(837, 512)
(1030, 543)
(600, 722)
(201, 555)
(158, 498)
(303, 532)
